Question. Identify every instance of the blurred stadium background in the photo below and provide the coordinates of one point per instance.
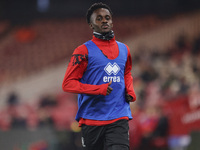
(37, 38)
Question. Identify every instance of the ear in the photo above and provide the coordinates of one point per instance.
(91, 26)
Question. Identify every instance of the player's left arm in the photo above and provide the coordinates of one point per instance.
(130, 93)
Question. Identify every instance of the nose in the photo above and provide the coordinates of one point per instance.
(104, 20)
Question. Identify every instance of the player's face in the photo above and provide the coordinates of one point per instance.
(101, 21)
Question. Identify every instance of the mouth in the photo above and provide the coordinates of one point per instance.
(105, 26)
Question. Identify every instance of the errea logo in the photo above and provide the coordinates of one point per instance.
(111, 69)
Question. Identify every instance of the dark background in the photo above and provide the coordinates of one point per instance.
(25, 10)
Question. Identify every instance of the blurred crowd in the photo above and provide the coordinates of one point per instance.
(160, 77)
(163, 75)
(57, 111)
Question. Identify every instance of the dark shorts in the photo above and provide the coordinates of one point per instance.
(114, 136)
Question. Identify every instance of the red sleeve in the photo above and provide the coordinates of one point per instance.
(128, 77)
(75, 70)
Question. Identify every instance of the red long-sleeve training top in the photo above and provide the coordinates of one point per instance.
(78, 65)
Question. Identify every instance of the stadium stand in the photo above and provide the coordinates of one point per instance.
(25, 47)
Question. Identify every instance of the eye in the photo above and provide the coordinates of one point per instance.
(99, 18)
(107, 17)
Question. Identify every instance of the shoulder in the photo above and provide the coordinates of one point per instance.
(128, 49)
(122, 44)
(82, 49)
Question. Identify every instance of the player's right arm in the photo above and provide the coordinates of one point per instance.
(75, 70)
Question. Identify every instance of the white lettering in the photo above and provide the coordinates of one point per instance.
(118, 79)
(83, 142)
(105, 79)
(113, 78)
(109, 78)
(191, 117)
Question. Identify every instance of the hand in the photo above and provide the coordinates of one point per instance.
(109, 89)
(129, 97)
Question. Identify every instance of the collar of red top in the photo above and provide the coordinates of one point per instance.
(104, 36)
(103, 42)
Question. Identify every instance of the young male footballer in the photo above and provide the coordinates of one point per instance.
(100, 72)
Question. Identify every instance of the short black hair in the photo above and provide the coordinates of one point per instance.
(94, 7)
